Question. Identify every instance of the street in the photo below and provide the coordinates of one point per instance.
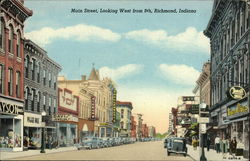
(136, 151)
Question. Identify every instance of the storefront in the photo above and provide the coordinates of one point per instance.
(105, 130)
(11, 125)
(237, 113)
(67, 133)
(32, 130)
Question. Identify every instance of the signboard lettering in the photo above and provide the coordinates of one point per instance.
(93, 107)
(114, 105)
(239, 108)
(59, 117)
(10, 109)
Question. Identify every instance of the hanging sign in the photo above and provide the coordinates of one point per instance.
(237, 92)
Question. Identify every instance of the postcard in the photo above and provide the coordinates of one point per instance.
(124, 80)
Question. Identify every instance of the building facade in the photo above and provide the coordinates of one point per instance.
(67, 117)
(125, 110)
(139, 121)
(13, 15)
(228, 31)
(40, 94)
(151, 131)
(96, 103)
(133, 127)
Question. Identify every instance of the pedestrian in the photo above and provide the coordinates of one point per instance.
(208, 143)
(194, 143)
(234, 145)
(217, 144)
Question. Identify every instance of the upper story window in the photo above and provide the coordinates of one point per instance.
(10, 82)
(1, 78)
(49, 79)
(27, 91)
(33, 68)
(18, 84)
(122, 113)
(2, 35)
(44, 77)
(27, 60)
(55, 82)
(38, 72)
(11, 38)
(18, 45)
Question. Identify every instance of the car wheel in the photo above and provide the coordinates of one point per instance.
(185, 155)
(168, 153)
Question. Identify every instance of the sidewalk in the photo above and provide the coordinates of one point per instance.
(10, 155)
(211, 155)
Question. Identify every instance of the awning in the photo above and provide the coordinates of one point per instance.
(237, 120)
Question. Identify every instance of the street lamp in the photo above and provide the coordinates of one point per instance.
(202, 108)
(43, 139)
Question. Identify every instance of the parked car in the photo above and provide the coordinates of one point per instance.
(106, 142)
(175, 145)
(91, 142)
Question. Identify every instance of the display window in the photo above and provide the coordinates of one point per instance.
(32, 137)
(10, 133)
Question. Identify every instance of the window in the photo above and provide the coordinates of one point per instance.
(27, 60)
(27, 91)
(44, 102)
(11, 36)
(55, 82)
(2, 34)
(50, 102)
(18, 46)
(10, 82)
(122, 113)
(54, 105)
(122, 125)
(33, 99)
(49, 79)
(38, 101)
(38, 72)
(18, 82)
(1, 78)
(33, 68)
(44, 77)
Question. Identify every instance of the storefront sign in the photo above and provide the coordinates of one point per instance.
(238, 109)
(32, 120)
(194, 109)
(203, 128)
(92, 107)
(188, 98)
(237, 92)
(59, 117)
(67, 99)
(114, 106)
(6, 108)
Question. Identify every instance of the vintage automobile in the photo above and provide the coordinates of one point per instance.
(91, 142)
(106, 142)
(175, 145)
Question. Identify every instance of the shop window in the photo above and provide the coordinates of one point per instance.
(18, 82)
(10, 82)
(11, 38)
(18, 46)
(1, 78)
(10, 133)
(2, 38)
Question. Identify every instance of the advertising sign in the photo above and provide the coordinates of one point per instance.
(237, 110)
(237, 92)
(92, 107)
(13, 109)
(114, 105)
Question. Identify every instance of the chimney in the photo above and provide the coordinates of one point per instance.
(84, 77)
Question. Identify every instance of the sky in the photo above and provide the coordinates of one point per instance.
(152, 57)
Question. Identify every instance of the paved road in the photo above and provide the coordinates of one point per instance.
(136, 151)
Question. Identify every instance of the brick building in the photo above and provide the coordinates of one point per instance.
(13, 14)
(40, 92)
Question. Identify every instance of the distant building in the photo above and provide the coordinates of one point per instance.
(125, 110)
(151, 131)
(133, 127)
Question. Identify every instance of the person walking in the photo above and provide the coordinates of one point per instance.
(234, 145)
(217, 144)
(195, 143)
(208, 143)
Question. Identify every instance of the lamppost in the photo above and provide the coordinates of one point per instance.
(202, 131)
(43, 138)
